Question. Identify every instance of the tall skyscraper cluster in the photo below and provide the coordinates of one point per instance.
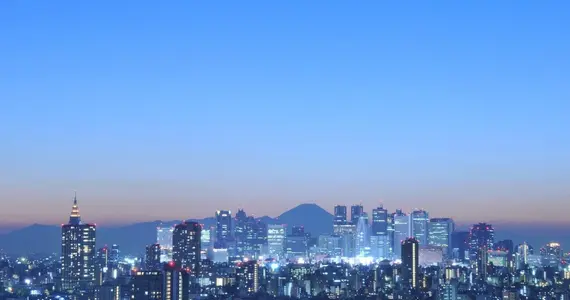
(405, 252)
(382, 235)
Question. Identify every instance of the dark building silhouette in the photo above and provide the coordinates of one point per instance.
(147, 285)
(186, 246)
(248, 277)
(410, 263)
(481, 235)
(379, 221)
(223, 228)
(256, 237)
(169, 282)
(459, 244)
(78, 270)
(298, 231)
(355, 212)
(152, 258)
(241, 232)
(340, 215)
(505, 245)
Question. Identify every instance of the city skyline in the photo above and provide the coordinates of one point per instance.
(172, 113)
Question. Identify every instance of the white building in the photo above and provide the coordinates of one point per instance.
(276, 236)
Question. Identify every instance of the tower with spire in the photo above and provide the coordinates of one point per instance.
(77, 271)
(75, 217)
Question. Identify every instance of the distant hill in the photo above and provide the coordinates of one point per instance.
(314, 218)
(133, 238)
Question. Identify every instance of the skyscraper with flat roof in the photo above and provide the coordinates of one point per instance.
(223, 228)
(482, 235)
(440, 230)
(186, 250)
(410, 263)
(401, 230)
(420, 226)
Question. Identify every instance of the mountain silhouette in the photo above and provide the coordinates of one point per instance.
(134, 238)
(314, 218)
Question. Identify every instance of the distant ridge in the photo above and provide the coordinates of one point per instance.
(133, 238)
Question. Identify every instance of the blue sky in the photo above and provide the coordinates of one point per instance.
(173, 110)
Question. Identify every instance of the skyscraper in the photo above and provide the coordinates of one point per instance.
(152, 258)
(223, 228)
(401, 230)
(379, 221)
(248, 276)
(380, 241)
(256, 238)
(276, 235)
(440, 230)
(77, 252)
(362, 236)
(420, 227)
(241, 232)
(410, 263)
(168, 283)
(482, 235)
(340, 216)
(147, 285)
(164, 239)
(355, 212)
(187, 246)
(459, 244)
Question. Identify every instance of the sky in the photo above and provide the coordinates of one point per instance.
(173, 110)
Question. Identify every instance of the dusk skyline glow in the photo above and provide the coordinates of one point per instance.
(175, 111)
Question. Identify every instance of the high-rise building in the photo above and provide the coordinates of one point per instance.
(341, 226)
(176, 283)
(114, 255)
(256, 238)
(362, 242)
(410, 263)
(355, 212)
(240, 232)
(401, 230)
(164, 239)
(276, 235)
(109, 291)
(101, 265)
(523, 251)
(460, 245)
(379, 221)
(420, 226)
(297, 243)
(482, 262)
(152, 258)
(330, 245)
(481, 236)
(340, 216)
(551, 254)
(440, 230)
(448, 290)
(77, 253)
(223, 228)
(505, 245)
(186, 252)
(380, 241)
(248, 276)
(147, 285)
(169, 283)
(298, 230)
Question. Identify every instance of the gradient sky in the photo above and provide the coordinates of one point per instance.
(155, 110)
